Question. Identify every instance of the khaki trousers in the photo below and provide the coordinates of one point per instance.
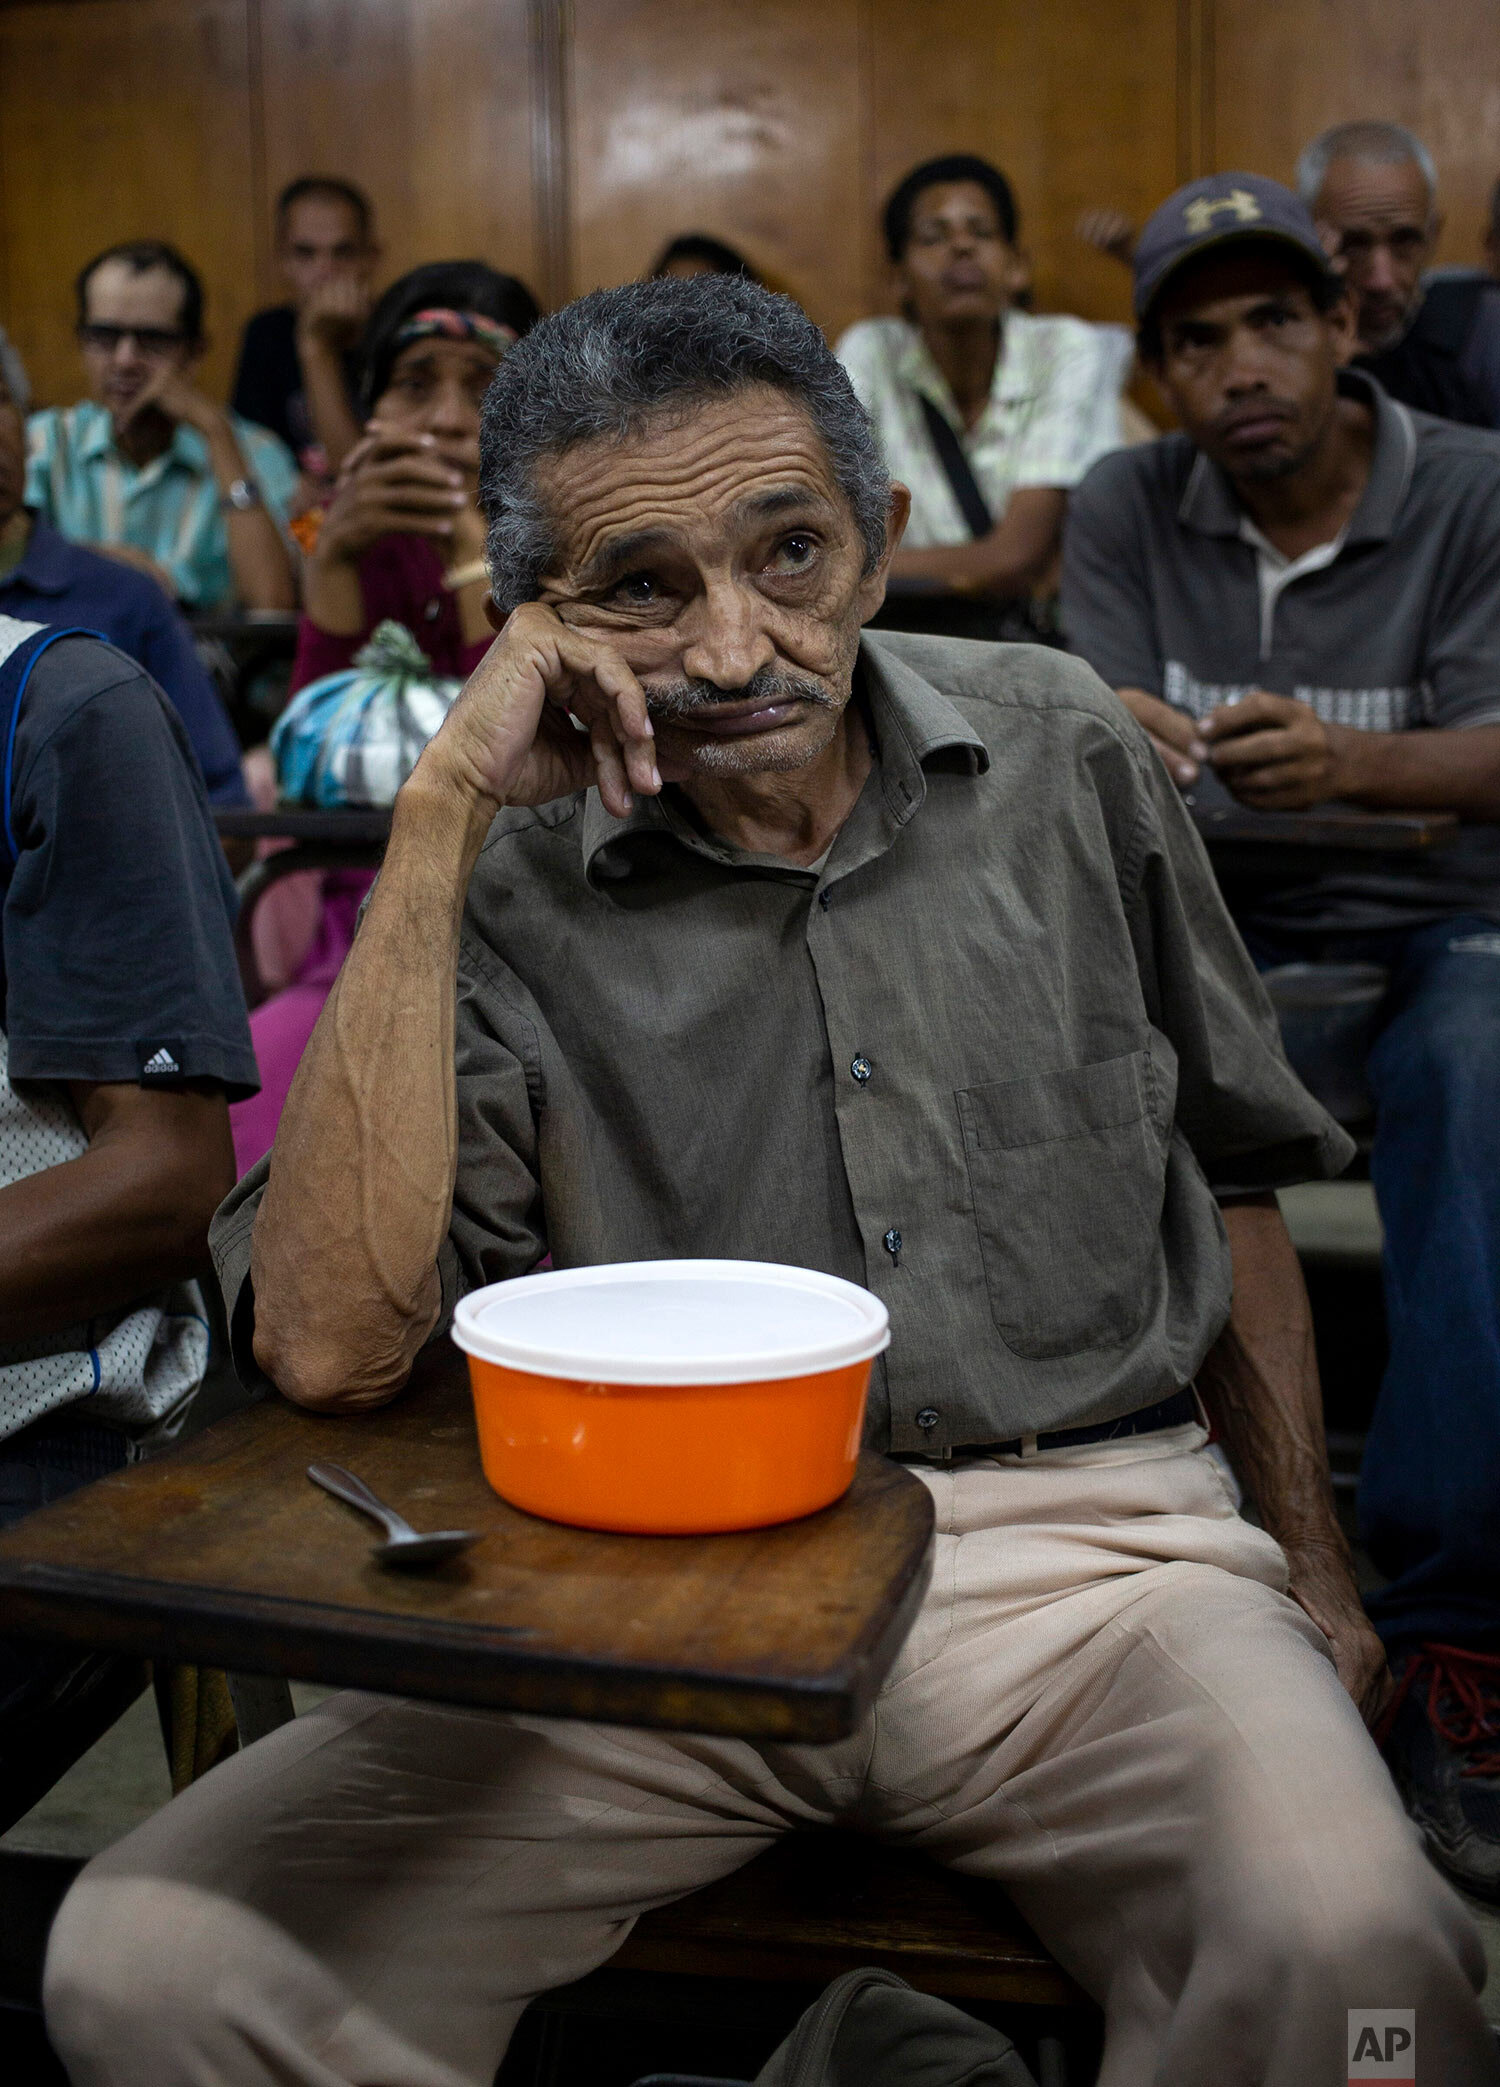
(1107, 1704)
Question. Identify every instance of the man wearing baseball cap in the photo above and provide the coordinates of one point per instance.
(1298, 596)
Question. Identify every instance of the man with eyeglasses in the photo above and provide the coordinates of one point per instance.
(150, 470)
(44, 579)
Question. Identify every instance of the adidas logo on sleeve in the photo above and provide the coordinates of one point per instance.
(161, 1065)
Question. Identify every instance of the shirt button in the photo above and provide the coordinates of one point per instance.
(823, 900)
(861, 1069)
(892, 1243)
(928, 1418)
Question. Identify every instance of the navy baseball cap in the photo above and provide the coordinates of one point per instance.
(1209, 213)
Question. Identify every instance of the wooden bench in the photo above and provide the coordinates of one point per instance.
(755, 1947)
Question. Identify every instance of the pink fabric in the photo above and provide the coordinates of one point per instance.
(401, 578)
(280, 1027)
(286, 920)
(285, 925)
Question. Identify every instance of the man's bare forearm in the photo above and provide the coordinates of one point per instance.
(259, 560)
(1441, 771)
(333, 595)
(1014, 557)
(333, 422)
(344, 1257)
(126, 1216)
(1260, 1381)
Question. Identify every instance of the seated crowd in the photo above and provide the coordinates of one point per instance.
(719, 769)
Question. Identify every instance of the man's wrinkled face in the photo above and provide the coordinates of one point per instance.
(716, 551)
(1248, 362)
(1380, 222)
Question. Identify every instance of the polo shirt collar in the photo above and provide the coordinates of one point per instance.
(913, 723)
(1210, 504)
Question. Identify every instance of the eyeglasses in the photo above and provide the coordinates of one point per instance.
(149, 340)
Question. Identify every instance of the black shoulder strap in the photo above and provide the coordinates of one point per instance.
(950, 454)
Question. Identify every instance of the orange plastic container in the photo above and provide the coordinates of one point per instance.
(671, 1397)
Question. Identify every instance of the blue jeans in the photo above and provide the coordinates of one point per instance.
(1429, 1490)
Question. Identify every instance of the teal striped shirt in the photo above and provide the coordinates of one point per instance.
(169, 508)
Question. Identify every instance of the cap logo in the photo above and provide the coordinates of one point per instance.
(1200, 213)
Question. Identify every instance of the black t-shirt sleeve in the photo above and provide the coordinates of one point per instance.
(118, 921)
(1107, 611)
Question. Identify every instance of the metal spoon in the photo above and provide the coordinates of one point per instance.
(403, 1547)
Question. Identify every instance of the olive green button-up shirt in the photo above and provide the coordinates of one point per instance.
(994, 1058)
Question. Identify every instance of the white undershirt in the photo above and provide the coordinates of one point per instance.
(1275, 571)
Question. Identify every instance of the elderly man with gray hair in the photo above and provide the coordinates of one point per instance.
(892, 956)
(1432, 340)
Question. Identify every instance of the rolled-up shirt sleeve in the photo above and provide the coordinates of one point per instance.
(1249, 1121)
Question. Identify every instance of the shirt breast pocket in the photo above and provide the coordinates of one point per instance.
(1068, 1173)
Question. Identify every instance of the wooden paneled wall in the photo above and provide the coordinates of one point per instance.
(566, 139)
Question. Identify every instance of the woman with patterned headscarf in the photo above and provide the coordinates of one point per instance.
(401, 540)
(402, 537)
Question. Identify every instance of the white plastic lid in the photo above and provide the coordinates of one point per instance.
(673, 1322)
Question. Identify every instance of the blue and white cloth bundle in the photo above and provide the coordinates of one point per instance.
(354, 737)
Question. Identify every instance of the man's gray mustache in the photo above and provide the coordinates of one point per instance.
(682, 698)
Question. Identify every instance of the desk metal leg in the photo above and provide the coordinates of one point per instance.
(262, 1702)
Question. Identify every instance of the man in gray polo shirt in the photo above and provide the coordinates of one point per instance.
(1299, 597)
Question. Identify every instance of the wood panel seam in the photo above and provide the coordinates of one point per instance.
(261, 230)
(1195, 89)
(552, 145)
